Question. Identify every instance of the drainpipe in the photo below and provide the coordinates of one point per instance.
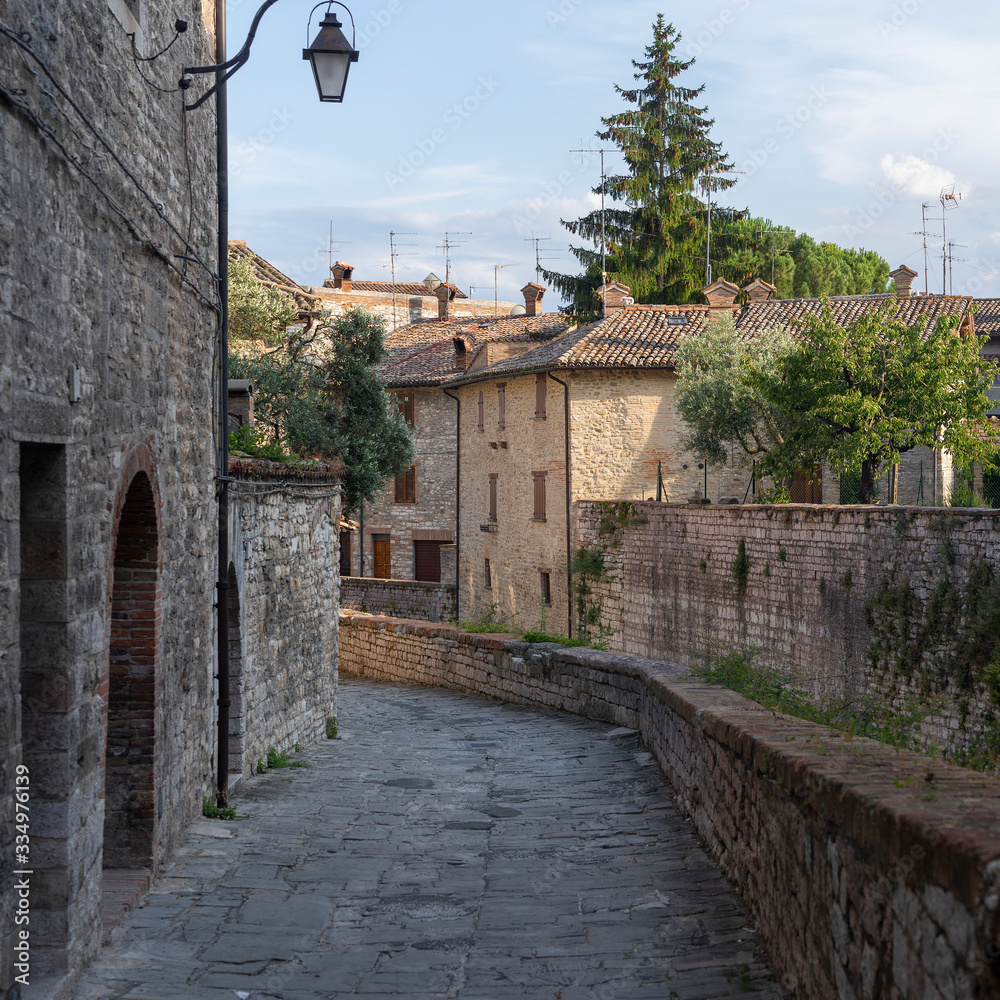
(222, 594)
(458, 504)
(569, 505)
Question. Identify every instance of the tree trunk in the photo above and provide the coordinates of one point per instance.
(869, 473)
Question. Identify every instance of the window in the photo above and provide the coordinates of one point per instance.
(546, 589)
(482, 422)
(489, 576)
(405, 406)
(502, 406)
(539, 478)
(427, 561)
(541, 383)
(406, 486)
(345, 553)
(493, 497)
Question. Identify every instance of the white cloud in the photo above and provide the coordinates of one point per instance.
(914, 176)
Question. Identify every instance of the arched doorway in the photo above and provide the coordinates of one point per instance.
(130, 755)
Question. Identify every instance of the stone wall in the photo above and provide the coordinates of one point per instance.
(847, 854)
(106, 356)
(811, 576)
(283, 676)
(432, 602)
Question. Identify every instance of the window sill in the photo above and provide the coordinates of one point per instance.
(539, 520)
(405, 503)
(541, 417)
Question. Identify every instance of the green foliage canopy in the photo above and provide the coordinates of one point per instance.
(318, 391)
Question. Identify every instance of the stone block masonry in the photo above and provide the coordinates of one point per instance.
(284, 594)
(853, 601)
(868, 872)
(432, 602)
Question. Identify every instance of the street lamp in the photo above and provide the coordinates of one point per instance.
(331, 57)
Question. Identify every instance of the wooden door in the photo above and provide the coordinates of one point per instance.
(807, 487)
(383, 558)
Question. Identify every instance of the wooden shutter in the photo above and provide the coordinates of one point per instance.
(383, 558)
(539, 478)
(541, 382)
(493, 497)
(481, 407)
(502, 406)
(427, 561)
(345, 553)
(807, 487)
(406, 486)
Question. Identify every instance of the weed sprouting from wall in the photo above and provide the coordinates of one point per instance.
(741, 566)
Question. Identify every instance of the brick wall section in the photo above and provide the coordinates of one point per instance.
(860, 881)
(670, 591)
(432, 602)
(284, 686)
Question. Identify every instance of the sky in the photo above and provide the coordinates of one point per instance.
(462, 117)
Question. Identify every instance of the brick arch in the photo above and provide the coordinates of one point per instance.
(131, 689)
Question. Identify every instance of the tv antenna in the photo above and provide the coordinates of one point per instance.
(951, 258)
(334, 243)
(539, 250)
(604, 179)
(925, 233)
(949, 200)
(707, 185)
(774, 249)
(497, 268)
(447, 247)
(394, 252)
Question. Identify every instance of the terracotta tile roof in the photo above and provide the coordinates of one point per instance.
(987, 317)
(636, 337)
(270, 276)
(788, 313)
(402, 288)
(423, 354)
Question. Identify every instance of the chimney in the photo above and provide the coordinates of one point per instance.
(461, 354)
(759, 291)
(721, 297)
(533, 295)
(342, 274)
(445, 293)
(903, 277)
(240, 403)
(612, 295)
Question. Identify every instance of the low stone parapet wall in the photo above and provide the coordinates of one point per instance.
(869, 872)
(432, 602)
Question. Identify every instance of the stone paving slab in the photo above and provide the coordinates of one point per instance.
(445, 848)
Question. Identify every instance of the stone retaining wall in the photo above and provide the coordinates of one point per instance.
(432, 602)
(868, 872)
(283, 613)
(812, 575)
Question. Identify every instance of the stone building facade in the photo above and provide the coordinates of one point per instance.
(108, 518)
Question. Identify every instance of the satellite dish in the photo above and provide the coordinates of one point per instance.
(519, 311)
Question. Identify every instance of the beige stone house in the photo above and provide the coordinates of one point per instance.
(410, 531)
(592, 415)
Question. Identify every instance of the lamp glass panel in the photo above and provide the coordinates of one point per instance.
(331, 73)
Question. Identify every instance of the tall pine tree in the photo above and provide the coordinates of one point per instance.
(655, 239)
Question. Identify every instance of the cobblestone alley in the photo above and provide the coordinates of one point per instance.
(444, 847)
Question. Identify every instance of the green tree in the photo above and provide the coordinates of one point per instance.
(718, 395)
(318, 392)
(654, 239)
(861, 395)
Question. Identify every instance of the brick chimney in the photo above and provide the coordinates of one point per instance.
(240, 403)
(721, 297)
(533, 295)
(461, 354)
(612, 294)
(342, 275)
(759, 291)
(445, 293)
(903, 277)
